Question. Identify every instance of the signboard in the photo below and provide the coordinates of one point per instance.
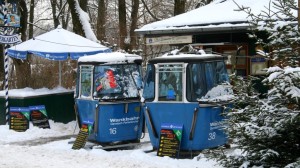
(39, 117)
(19, 118)
(168, 40)
(258, 65)
(10, 39)
(12, 14)
(169, 141)
(82, 137)
(7, 31)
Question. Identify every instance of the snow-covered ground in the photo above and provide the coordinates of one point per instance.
(52, 148)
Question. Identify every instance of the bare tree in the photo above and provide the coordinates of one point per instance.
(134, 20)
(101, 20)
(64, 14)
(179, 7)
(31, 18)
(83, 4)
(23, 67)
(122, 24)
(107, 25)
(149, 11)
(55, 17)
(203, 3)
(77, 26)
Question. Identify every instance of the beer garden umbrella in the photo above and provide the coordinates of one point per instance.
(58, 44)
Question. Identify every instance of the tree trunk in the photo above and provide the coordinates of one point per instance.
(122, 24)
(23, 71)
(65, 21)
(134, 19)
(77, 26)
(55, 18)
(23, 19)
(101, 20)
(179, 7)
(83, 5)
(64, 14)
(31, 18)
(149, 11)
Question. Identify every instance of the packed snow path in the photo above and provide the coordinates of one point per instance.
(51, 148)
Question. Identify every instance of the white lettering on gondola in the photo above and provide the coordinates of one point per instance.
(126, 120)
(217, 125)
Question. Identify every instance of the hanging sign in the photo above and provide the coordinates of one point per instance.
(10, 39)
(19, 118)
(39, 117)
(13, 19)
(168, 40)
(81, 139)
(169, 141)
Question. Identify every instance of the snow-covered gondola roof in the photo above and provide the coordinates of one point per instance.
(185, 57)
(218, 15)
(114, 57)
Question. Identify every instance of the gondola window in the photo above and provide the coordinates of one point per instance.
(117, 81)
(203, 77)
(86, 81)
(170, 82)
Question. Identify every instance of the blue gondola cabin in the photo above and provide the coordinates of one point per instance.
(108, 96)
(189, 90)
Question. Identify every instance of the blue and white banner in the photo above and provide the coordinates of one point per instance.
(59, 56)
(10, 39)
(19, 55)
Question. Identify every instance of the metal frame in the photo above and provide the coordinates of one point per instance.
(156, 86)
(79, 82)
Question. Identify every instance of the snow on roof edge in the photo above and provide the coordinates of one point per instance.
(110, 57)
(29, 92)
(219, 11)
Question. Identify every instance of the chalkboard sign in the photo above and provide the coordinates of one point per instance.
(82, 137)
(19, 118)
(169, 141)
(39, 117)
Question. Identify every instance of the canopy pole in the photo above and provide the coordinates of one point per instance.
(59, 73)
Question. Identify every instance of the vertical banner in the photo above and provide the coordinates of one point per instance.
(39, 117)
(19, 118)
(81, 139)
(170, 139)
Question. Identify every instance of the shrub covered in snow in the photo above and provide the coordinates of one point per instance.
(266, 132)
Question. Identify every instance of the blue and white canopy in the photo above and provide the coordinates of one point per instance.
(58, 44)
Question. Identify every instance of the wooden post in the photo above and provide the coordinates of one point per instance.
(4, 7)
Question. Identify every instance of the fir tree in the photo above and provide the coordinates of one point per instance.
(266, 132)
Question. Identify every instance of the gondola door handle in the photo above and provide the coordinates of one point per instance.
(194, 120)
